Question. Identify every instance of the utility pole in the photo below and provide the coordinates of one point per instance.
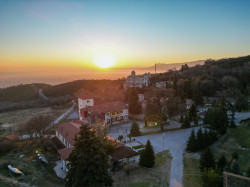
(155, 68)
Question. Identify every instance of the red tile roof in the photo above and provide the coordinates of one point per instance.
(69, 129)
(57, 143)
(11, 137)
(65, 152)
(85, 97)
(120, 152)
(107, 107)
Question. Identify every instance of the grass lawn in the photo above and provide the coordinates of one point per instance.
(134, 176)
(191, 166)
(35, 173)
(238, 137)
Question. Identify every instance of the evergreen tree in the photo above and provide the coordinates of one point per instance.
(88, 162)
(197, 95)
(241, 102)
(206, 138)
(200, 140)
(211, 178)
(192, 112)
(186, 123)
(134, 106)
(212, 137)
(191, 143)
(147, 157)
(135, 131)
(207, 160)
(222, 162)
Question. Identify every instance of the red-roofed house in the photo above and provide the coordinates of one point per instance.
(66, 132)
(84, 102)
(111, 112)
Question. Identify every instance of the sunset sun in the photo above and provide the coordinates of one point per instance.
(104, 61)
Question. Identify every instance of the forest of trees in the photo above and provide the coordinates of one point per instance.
(210, 78)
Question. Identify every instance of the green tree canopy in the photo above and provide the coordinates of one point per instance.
(88, 162)
(216, 118)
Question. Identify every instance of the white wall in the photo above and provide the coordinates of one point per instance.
(82, 103)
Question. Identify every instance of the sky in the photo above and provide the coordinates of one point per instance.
(67, 35)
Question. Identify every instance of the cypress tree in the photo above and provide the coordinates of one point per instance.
(135, 131)
(191, 143)
(200, 140)
(207, 160)
(88, 162)
(147, 157)
(134, 106)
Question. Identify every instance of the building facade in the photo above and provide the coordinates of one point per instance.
(65, 134)
(84, 102)
(110, 113)
(136, 81)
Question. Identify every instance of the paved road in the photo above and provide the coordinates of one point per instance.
(62, 116)
(240, 116)
(74, 115)
(42, 95)
(175, 142)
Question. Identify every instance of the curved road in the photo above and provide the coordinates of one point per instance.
(42, 95)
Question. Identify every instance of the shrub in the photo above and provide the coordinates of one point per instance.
(138, 146)
(6, 146)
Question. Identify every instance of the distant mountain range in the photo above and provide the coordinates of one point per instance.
(165, 67)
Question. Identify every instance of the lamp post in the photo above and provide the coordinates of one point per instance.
(163, 142)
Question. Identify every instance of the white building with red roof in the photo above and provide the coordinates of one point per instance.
(111, 112)
(65, 134)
